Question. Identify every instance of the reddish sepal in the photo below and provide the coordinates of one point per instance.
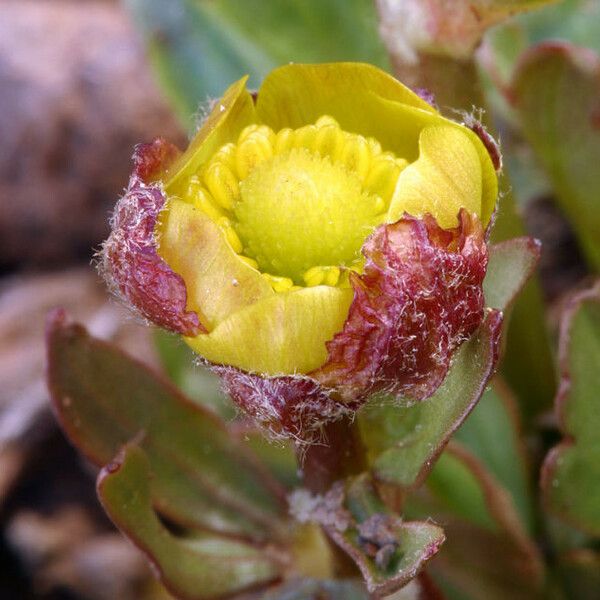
(420, 296)
(152, 159)
(129, 259)
(290, 406)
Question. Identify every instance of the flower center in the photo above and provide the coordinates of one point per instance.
(298, 204)
(298, 210)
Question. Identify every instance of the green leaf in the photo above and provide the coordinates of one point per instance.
(192, 378)
(556, 91)
(510, 265)
(492, 433)
(200, 46)
(581, 572)
(527, 363)
(488, 554)
(577, 21)
(403, 442)
(388, 551)
(202, 476)
(199, 568)
(571, 471)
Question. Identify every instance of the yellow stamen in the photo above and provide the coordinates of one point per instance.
(279, 284)
(305, 137)
(356, 156)
(326, 121)
(230, 235)
(283, 140)
(249, 261)
(329, 141)
(255, 149)
(383, 175)
(201, 199)
(222, 184)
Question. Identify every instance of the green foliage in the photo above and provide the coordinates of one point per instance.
(571, 473)
(492, 433)
(556, 92)
(373, 529)
(202, 567)
(403, 443)
(488, 554)
(202, 475)
(200, 46)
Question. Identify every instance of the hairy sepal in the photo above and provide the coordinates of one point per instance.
(289, 406)
(419, 298)
(129, 260)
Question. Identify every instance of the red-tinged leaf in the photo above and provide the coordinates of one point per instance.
(527, 363)
(314, 589)
(388, 551)
(571, 472)
(581, 572)
(556, 92)
(129, 259)
(202, 568)
(493, 434)
(202, 476)
(488, 554)
(420, 297)
(403, 442)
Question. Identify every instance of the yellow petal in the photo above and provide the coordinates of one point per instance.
(446, 177)
(285, 333)
(230, 114)
(360, 97)
(218, 282)
(365, 100)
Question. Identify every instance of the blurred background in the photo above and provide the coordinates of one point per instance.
(83, 81)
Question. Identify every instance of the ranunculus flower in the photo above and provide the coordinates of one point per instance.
(317, 242)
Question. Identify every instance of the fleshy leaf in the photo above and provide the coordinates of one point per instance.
(492, 433)
(199, 47)
(403, 442)
(202, 476)
(488, 553)
(195, 380)
(555, 91)
(571, 471)
(388, 551)
(510, 265)
(419, 298)
(315, 589)
(129, 259)
(202, 568)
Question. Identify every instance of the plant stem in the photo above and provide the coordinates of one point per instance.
(340, 455)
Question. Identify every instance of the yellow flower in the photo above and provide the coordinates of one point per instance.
(263, 218)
